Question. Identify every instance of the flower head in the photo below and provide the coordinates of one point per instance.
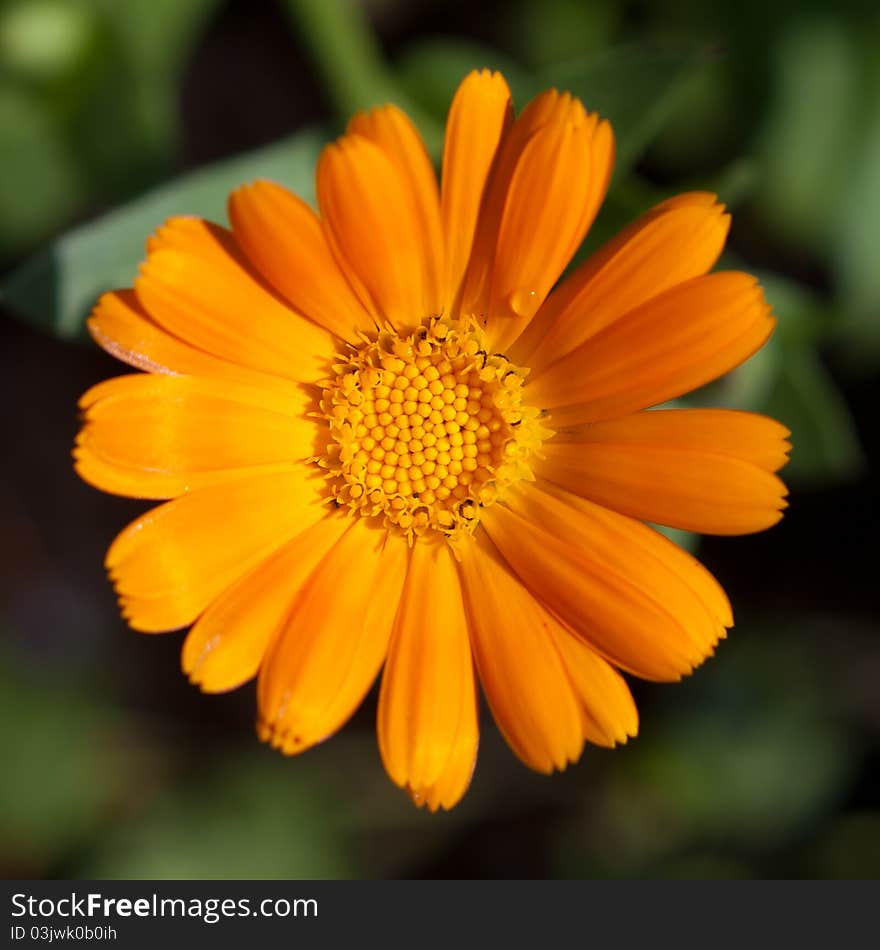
(389, 438)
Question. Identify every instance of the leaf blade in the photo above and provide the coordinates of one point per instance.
(55, 289)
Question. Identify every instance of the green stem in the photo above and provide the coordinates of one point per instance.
(341, 41)
(343, 46)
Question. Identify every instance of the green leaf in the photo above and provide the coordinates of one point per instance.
(637, 88)
(802, 323)
(154, 38)
(743, 757)
(705, 130)
(256, 815)
(346, 51)
(755, 779)
(804, 397)
(806, 159)
(98, 118)
(56, 288)
(39, 182)
(45, 41)
(856, 236)
(734, 184)
(157, 34)
(684, 539)
(555, 30)
(804, 317)
(65, 764)
(131, 85)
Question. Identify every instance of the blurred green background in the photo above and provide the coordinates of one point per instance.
(764, 764)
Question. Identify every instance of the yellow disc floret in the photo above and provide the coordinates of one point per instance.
(427, 428)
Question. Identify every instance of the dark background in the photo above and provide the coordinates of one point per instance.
(766, 763)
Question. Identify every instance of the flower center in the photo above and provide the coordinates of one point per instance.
(428, 428)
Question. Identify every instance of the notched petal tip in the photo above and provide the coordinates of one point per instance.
(428, 800)
(198, 673)
(630, 730)
(142, 621)
(454, 780)
(484, 74)
(282, 739)
(179, 227)
(287, 740)
(699, 659)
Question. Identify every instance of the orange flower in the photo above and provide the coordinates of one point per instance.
(389, 440)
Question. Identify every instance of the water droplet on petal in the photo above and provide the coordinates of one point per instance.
(523, 303)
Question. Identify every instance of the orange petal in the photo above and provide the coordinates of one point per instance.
(161, 436)
(610, 715)
(283, 238)
(674, 343)
(455, 778)
(393, 131)
(228, 642)
(374, 226)
(331, 648)
(553, 196)
(706, 470)
(427, 705)
(479, 114)
(673, 242)
(198, 286)
(477, 284)
(125, 330)
(291, 399)
(548, 181)
(523, 676)
(170, 611)
(136, 483)
(187, 551)
(640, 601)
